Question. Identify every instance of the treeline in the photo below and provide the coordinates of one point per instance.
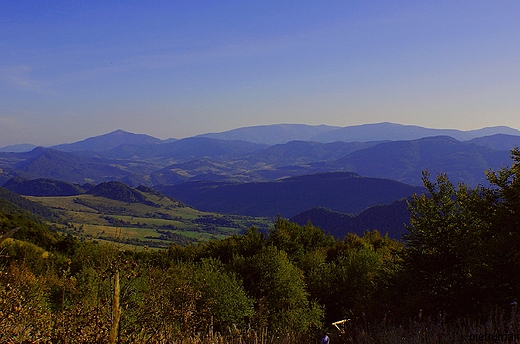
(287, 283)
(458, 263)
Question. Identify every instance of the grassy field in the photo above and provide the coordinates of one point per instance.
(156, 223)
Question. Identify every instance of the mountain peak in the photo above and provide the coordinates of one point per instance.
(108, 141)
(119, 132)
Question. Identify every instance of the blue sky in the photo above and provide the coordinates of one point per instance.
(72, 69)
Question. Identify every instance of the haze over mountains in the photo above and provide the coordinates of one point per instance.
(382, 150)
(283, 133)
(255, 170)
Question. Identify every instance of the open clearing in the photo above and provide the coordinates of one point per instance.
(156, 223)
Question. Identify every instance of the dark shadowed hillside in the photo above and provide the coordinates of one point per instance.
(43, 187)
(118, 191)
(498, 141)
(404, 160)
(344, 192)
(9, 198)
(387, 219)
(53, 164)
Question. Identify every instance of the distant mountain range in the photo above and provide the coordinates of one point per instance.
(337, 177)
(108, 141)
(398, 132)
(17, 148)
(273, 134)
(404, 160)
(280, 134)
(283, 133)
(141, 159)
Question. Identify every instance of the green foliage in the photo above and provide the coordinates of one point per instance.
(461, 250)
(503, 234)
(118, 191)
(297, 240)
(15, 204)
(223, 294)
(352, 277)
(279, 288)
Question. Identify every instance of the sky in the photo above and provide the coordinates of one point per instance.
(75, 69)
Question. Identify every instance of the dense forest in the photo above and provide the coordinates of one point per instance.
(454, 277)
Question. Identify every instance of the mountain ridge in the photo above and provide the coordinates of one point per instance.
(340, 191)
(396, 132)
(272, 134)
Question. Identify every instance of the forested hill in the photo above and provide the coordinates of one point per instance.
(117, 191)
(44, 187)
(405, 160)
(390, 219)
(343, 192)
(12, 203)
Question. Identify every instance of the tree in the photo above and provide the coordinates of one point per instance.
(280, 291)
(461, 254)
(503, 235)
(351, 280)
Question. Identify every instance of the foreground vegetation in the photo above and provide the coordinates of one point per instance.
(456, 278)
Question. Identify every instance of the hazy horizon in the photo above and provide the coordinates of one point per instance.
(166, 138)
(178, 69)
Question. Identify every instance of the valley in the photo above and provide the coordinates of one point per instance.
(156, 222)
(219, 184)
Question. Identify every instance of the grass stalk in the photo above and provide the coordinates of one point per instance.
(116, 310)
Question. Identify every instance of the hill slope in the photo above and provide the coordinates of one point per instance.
(272, 134)
(43, 187)
(108, 141)
(11, 202)
(394, 132)
(344, 192)
(498, 141)
(53, 164)
(387, 219)
(404, 160)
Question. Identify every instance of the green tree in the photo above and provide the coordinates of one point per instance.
(222, 294)
(502, 237)
(351, 280)
(298, 240)
(280, 291)
(461, 254)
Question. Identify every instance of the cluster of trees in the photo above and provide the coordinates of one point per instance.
(460, 256)
(288, 282)
(462, 252)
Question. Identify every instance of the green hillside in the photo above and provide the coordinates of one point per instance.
(142, 218)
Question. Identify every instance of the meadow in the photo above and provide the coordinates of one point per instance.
(158, 223)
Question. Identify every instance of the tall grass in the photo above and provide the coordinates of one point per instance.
(499, 327)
